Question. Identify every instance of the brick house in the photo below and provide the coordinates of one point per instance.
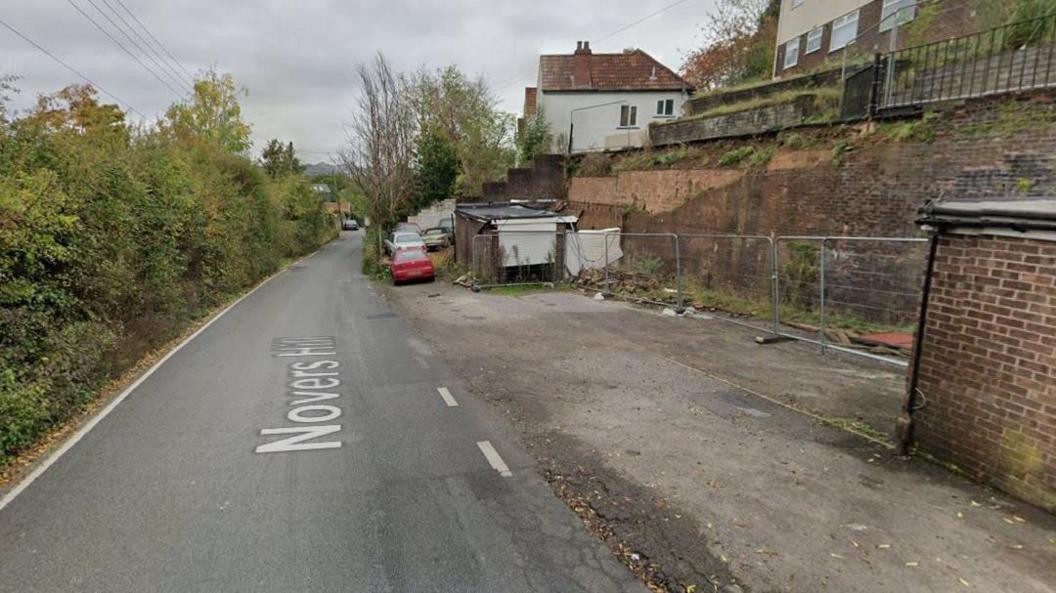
(812, 32)
(596, 101)
(982, 389)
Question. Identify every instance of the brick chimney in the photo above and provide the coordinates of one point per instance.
(581, 65)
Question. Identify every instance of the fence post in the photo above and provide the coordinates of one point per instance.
(874, 94)
(678, 275)
(823, 338)
(775, 289)
(605, 286)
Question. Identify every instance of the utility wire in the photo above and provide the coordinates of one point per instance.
(639, 21)
(72, 69)
(133, 42)
(125, 49)
(149, 52)
(159, 43)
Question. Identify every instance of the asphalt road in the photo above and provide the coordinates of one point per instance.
(255, 460)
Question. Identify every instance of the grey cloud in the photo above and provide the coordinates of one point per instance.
(298, 58)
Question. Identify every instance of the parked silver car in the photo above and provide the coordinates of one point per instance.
(399, 241)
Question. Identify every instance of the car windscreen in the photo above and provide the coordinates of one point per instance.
(408, 239)
(405, 256)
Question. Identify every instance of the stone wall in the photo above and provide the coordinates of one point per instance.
(741, 123)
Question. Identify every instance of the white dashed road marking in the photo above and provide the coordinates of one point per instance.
(494, 459)
(448, 398)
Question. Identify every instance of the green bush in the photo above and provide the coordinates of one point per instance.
(736, 156)
(113, 239)
(1029, 23)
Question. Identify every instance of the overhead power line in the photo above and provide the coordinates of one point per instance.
(149, 51)
(159, 43)
(123, 48)
(72, 69)
(639, 21)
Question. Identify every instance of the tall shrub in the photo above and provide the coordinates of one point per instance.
(113, 239)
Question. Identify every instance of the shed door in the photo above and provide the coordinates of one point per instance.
(527, 242)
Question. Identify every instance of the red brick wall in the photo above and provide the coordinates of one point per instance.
(990, 149)
(998, 148)
(988, 367)
(956, 18)
(652, 191)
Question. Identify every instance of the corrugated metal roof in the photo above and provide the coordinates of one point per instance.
(489, 212)
(1036, 214)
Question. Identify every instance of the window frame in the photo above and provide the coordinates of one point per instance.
(665, 108)
(847, 20)
(628, 117)
(790, 54)
(894, 7)
(820, 38)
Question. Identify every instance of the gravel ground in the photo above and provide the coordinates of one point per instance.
(701, 459)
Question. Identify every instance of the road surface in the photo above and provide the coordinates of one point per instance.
(306, 441)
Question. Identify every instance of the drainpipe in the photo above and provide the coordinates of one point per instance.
(905, 420)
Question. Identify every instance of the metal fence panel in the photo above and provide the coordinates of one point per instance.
(829, 286)
(1014, 57)
(648, 270)
(729, 272)
(869, 284)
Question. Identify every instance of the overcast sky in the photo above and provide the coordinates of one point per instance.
(297, 57)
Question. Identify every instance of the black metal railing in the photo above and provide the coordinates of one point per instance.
(1013, 57)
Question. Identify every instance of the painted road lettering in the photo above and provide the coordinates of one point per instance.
(310, 384)
(293, 347)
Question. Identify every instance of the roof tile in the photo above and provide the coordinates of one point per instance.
(628, 71)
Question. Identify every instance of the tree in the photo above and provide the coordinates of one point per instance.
(7, 88)
(436, 167)
(738, 46)
(466, 111)
(213, 116)
(379, 156)
(279, 160)
(534, 137)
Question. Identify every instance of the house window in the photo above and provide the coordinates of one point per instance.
(665, 108)
(814, 39)
(797, 3)
(844, 31)
(628, 116)
(897, 11)
(791, 53)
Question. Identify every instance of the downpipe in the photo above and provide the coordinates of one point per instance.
(909, 407)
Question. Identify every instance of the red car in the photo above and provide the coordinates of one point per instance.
(411, 264)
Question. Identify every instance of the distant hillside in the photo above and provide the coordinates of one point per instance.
(321, 169)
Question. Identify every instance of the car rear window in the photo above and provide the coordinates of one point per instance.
(408, 239)
(409, 256)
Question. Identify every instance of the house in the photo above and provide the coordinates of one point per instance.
(811, 32)
(603, 101)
